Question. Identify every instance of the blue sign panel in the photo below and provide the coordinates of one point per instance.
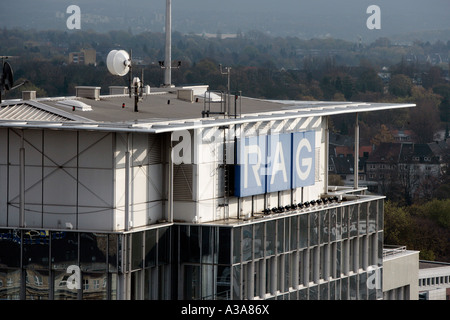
(274, 163)
(251, 166)
(278, 162)
(303, 168)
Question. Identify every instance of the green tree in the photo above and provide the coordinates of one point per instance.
(400, 85)
(397, 224)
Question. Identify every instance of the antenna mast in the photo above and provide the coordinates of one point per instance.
(168, 54)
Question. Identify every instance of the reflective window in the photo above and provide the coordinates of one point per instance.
(224, 247)
(303, 243)
(380, 214)
(112, 252)
(294, 233)
(137, 250)
(314, 228)
(353, 220)
(258, 246)
(247, 240)
(324, 226)
(10, 284)
(372, 225)
(280, 235)
(95, 286)
(150, 248)
(209, 245)
(36, 244)
(333, 226)
(37, 285)
(163, 245)
(223, 283)
(270, 237)
(93, 251)
(10, 242)
(64, 250)
(190, 244)
(363, 219)
(61, 290)
(344, 223)
(236, 245)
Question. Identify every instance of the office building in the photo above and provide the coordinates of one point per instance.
(183, 194)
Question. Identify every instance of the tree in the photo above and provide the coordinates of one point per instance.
(397, 223)
(400, 85)
(384, 135)
(424, 118)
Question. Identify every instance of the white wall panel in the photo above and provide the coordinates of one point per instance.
(60, 186)
(94, 218)
(95, 187)
(56, 216)
(140, 146)
(33, 216)
(207, 181)
(146, 213)
(60, 148)
(95, 150)
(13, 215)
(119, 199)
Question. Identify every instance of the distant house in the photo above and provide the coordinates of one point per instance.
(403, 135)
(408, 168)
(84, 56)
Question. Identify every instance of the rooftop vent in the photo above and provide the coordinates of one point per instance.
(28, 95)
(88, 92)
(113, 90)
(185, 94)
(75, 105)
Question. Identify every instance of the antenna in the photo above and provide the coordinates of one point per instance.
(7, 78)
(119, 63)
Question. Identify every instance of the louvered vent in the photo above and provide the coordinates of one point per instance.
(182, 182)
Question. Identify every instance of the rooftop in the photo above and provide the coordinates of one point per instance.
(163, 111)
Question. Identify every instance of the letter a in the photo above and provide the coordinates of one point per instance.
(74, 281)
(74, 21)
(374, 21)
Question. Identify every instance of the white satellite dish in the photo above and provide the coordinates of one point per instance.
(118, 62)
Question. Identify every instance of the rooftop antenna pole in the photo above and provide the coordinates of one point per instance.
(168, 56)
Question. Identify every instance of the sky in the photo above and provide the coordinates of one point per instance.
(345, 19)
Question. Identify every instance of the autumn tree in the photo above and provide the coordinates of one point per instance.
(384, 135)
(400, 85)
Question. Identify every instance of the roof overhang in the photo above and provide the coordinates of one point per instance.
(285, 110)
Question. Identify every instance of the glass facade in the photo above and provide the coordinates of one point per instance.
(44, 271)
(329, 252)
(334, 253)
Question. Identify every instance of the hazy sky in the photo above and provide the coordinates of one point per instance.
(303, 18)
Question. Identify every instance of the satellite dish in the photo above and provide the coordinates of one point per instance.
(7, 77)
(118, 62)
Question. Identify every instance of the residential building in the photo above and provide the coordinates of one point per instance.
(84, 57)
(409, 168)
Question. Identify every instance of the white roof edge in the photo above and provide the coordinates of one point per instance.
(82, 123)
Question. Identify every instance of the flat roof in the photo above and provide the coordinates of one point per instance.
(162, 111)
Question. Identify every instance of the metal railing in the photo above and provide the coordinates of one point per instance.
(391, 250)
